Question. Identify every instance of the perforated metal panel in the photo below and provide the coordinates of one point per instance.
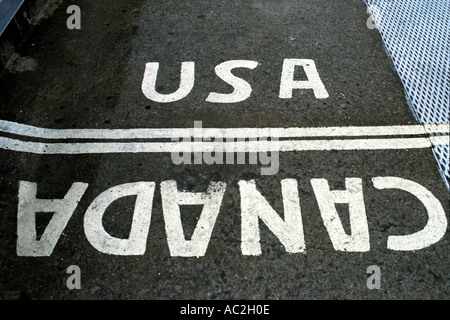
(416, 35)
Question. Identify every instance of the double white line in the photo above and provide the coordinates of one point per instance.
(22, 138)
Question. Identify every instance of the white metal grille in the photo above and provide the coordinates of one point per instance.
(416, 35)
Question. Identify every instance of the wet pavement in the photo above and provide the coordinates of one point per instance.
(91, 78)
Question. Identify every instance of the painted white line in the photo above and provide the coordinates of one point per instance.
(247, 146)
(118, 134)
(391, 139)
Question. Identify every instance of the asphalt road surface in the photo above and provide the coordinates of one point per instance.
(349, 203)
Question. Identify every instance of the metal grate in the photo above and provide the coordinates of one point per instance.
(416, 35)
